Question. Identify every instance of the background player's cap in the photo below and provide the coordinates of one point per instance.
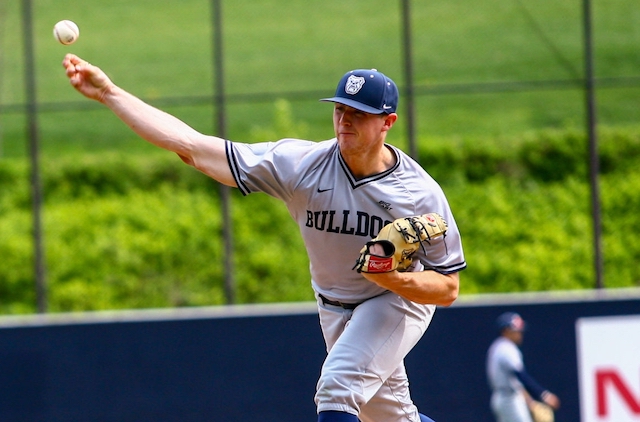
(367, 90)
(510, 320)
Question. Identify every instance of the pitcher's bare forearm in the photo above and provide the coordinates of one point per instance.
(426, 287)
(206, 153)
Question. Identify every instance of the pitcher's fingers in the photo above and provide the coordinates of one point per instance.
(376, 249)
(75, 79)
(69, 60)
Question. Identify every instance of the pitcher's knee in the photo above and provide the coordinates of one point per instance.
(335, 394)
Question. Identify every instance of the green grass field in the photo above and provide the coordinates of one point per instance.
(160, 50)
(471, 63)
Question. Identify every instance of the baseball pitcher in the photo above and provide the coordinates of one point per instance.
(383, 245)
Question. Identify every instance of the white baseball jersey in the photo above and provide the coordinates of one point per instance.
(504, 358)
(337, 213)
(508, 403)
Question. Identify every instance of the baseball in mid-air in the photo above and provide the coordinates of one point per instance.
(66, 32)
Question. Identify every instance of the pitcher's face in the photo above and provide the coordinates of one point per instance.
(356, 129)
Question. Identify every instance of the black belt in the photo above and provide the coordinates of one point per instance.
(337, 303)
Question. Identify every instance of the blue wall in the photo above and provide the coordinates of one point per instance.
(210, 366)
(446, 369)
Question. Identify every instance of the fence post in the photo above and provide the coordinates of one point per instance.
(221, 131)
(33, 134)
(594, 162)
(408, 72)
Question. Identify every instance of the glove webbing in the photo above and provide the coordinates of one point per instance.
(414, 225)
(416, 229)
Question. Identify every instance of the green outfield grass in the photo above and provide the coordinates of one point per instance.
(163, 49)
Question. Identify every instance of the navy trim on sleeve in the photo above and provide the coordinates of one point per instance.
(448, 269)
(234, 168)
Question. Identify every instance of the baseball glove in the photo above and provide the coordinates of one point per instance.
(540, 412)
(400, 240)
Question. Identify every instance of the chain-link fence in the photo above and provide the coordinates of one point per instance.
(501, 68)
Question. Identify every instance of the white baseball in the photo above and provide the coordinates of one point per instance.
(66, 32)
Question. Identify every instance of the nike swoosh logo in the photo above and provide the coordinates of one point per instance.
(324, 190)
(386, 107)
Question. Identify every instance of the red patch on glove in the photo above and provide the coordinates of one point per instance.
(379, 264)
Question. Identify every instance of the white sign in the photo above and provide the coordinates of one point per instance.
(609, 368)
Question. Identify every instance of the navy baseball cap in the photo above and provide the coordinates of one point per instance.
(367, 90)
(510, 320)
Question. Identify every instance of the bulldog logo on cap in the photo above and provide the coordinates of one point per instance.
(354, 84)
(366, 90)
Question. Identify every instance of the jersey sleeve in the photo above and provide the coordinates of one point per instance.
(269, 167)
(444, 255)
(532, 386)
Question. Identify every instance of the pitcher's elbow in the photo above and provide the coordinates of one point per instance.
(451, 294)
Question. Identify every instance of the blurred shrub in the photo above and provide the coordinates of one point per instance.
(555, 155)
(17, 281)
(620, 193)
(548, 156)
(142, 249)
(619, 150)
(85, 176)
(126, 231)
(524, 237)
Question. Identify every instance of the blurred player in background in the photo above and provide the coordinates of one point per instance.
(341, 192)
(513, 389)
